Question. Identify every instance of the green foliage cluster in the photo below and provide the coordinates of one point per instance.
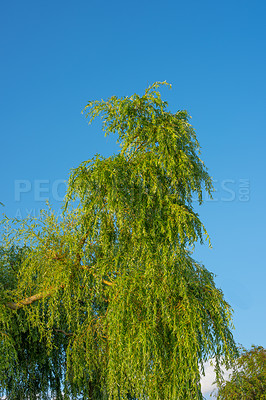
(248, 379)
(26, 369)
(120, 308)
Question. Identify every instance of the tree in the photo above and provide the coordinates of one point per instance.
(34, 370)
(111, 286)
(248, 378)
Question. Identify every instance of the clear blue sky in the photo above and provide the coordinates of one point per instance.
(55, 56)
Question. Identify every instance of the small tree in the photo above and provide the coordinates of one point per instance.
(248, 379)
(112, 285)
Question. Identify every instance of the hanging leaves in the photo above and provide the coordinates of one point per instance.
(112, 285)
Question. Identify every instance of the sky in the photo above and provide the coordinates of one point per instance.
(58, 55)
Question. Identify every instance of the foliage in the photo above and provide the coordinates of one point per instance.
(110, 287)
(26, 368)
(248, 379)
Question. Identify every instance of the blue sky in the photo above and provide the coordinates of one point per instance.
(56, 56)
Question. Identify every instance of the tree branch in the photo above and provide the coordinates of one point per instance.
(62, 331)
(29, 300)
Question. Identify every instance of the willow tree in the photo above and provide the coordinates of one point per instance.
(111, 286)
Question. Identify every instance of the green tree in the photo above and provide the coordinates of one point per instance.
(26, 368)
(111, 286)
(248, 378)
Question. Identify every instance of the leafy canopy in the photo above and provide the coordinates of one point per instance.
(248, 378)
(111, 288)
